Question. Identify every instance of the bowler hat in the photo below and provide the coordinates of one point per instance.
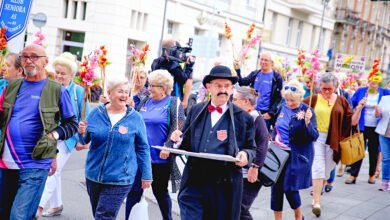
(220, 72)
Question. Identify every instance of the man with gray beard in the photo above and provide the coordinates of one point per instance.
(35, 112)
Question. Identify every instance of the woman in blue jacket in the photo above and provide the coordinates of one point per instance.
(119, 146)
(65, 67)
(295, 131)
(364, 101)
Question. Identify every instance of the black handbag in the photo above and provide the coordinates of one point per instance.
(274, 163)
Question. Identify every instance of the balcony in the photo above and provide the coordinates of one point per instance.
(305, 6)
(348, 16)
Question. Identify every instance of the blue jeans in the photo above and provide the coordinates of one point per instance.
(106, 199)
(385, 147)
(134, 195)
(20, 193)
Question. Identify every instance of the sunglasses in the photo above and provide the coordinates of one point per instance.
(292, 88)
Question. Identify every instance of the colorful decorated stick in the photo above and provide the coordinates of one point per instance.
(302, 61)
(315, 67)
(40, 38)
(137, 59)
(228, 35)
(3, 48)
(103, 62)
(87, 77)
(375, 75)
(250, 32)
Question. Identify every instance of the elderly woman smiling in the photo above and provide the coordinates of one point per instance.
(119, 147)
(295, 132)
(163, 114)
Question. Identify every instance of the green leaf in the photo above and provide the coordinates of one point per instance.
(96, 81)
(77, 79)
(108, 63)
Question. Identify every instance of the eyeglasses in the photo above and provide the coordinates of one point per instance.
(292, 88)
(327, 89)
(219, 86)
(33, 58)
(155, 86)
(236, 99)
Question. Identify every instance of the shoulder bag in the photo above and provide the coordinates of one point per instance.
(352, 148)
(274, 163)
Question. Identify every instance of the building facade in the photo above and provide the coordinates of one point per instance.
(298, 24)
(362, 28)
(80, 26)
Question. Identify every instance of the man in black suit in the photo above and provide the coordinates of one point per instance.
(212, 189)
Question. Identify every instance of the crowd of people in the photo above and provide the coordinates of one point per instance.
(41, 123)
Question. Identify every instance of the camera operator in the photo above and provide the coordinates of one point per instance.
(172, 60)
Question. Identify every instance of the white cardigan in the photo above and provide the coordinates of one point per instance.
(384, 106)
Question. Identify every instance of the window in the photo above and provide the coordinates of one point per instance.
(273, 21)
(273, 24)
(75, 9)
(73, 42)
(221, 38)
(145, 22)
(250, 3)
(351, 45)
(66, 5)
(313, 35)
(138, 20)
(299, 34)
(199, 32)
(133, 19)
(75, 3)
(170, 27)
(342, 44)
(84, 11)
(321, 40)
(289, 30)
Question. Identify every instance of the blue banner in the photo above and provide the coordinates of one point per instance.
(14, 15)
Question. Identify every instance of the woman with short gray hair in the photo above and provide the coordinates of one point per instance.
(334, 119)
(120, 130)
(163, 79)
(245, 97)
(295, 132)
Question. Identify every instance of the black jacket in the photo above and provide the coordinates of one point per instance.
(277, 85)
(180, 76)
(231, 174)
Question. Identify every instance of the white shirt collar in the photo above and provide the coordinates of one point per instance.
(224, 106)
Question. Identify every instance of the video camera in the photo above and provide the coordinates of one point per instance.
(179, 53)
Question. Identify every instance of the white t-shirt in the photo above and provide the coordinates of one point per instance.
(115, 117)
(369, 114)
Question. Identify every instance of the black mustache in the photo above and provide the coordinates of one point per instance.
(222, 93)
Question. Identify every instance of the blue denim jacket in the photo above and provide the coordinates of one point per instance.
(116, 153)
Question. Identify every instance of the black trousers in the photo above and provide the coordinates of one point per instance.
(372, 141)
(161, 173)
(249, 194)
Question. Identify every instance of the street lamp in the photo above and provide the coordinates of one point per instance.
(325, 3)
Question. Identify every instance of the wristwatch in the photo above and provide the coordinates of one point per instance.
(253, 165)
(55, 134)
